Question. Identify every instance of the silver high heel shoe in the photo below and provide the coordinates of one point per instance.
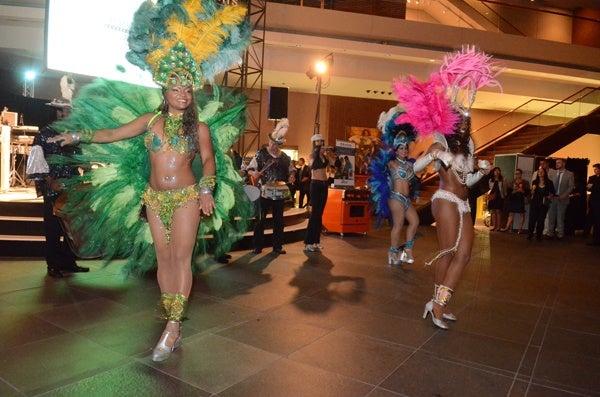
(161, 351)
(429, 310)
(449, 316)
(445, 316)
(405, 258)
(394, 258)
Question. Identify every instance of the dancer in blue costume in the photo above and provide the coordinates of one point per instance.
(147, 141)
(391, 181)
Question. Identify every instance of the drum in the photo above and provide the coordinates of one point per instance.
(252, 192)
(275, 191)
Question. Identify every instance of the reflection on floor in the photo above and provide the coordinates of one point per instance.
(339, 323)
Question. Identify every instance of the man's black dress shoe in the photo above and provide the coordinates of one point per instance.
(256, 251)
(76, 269)
(223, 259)
(54, 272)
(279, 251)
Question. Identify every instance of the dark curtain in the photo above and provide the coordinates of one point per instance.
(576, 211)
(34, 111)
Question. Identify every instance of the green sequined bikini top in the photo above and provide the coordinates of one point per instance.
(175, 139)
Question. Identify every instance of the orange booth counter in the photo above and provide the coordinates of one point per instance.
(347, 211)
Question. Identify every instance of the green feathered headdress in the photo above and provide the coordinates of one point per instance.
(187, 41)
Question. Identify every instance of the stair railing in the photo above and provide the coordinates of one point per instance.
(578, 104)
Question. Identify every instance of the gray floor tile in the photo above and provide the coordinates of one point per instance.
(273, 334)
(46, 364)
(353, 355)
(213, 363)
(131, 380)
(428, 375)
(285, 377)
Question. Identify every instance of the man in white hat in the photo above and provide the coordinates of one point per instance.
(270, 169)
(60, 258)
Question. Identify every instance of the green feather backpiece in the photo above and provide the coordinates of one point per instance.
(150, 26)
(103, 204)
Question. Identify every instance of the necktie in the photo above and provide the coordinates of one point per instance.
(558, 183)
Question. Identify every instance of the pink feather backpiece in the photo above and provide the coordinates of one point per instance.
(427, 107)
(477, 65)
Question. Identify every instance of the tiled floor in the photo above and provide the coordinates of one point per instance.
(340, 323)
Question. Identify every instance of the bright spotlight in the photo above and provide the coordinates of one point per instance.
(30, 75)
(321, 67)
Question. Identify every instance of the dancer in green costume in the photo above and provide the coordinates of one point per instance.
(146, 141)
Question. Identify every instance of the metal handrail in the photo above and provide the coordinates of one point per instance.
(573, 98)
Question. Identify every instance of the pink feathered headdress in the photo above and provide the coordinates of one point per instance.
(468, 70)
(427, 107)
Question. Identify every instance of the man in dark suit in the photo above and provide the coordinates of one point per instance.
(303, 182)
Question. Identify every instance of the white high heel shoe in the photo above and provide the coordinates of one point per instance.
(405, 258)
(429, 310)
(449, 316)
(161, 351)
(394, 258)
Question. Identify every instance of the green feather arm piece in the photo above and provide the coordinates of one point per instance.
(103, 204)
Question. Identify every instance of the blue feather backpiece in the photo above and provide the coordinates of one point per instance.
(380, 181)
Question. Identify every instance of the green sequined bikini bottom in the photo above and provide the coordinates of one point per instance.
(166, 202)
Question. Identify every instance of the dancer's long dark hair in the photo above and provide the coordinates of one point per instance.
(458, 143)
(190, 117)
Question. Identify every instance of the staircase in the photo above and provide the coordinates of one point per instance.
(539, 135)
(517, 142)
(22, 228)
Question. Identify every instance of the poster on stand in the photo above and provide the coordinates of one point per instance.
(345, 153)
(367, 141)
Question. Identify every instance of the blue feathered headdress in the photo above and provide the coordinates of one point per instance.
(379, 180)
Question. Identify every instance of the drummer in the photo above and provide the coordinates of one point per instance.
(59, 256)
(270, 170)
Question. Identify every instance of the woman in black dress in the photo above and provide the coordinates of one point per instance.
(516, 200)
(496, 197)
(542, 190)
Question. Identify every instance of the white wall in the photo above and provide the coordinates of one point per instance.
(588, 146)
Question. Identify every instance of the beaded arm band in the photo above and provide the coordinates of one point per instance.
(207, 184)
(87, 136)
(84, 136)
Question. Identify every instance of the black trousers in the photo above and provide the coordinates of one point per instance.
(304, 192)
(318, 199)
(58, 253)
(276, 207)
(537, 216)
